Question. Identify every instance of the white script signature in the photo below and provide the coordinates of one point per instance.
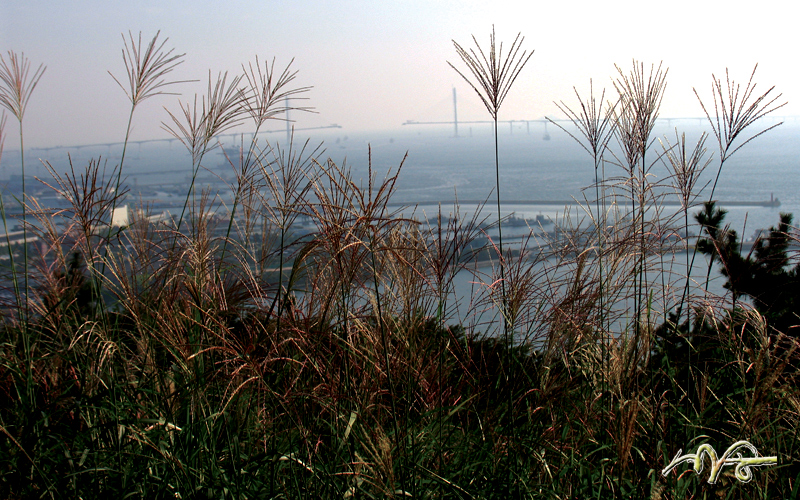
(732, 456)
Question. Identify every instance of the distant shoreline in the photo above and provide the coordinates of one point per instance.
(774, 203)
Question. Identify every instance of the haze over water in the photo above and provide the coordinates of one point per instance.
(536, 163)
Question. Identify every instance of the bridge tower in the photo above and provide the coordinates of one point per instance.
(455, 112)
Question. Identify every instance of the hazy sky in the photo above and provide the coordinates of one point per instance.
(377, 63)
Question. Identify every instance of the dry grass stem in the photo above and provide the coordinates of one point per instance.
(735, 109)
(267, 92)
(494, 74)
(147, 67)
(17, 84)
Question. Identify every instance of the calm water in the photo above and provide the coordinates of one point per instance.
(537, 163)
(441, 167)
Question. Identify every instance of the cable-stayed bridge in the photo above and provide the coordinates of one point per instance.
(171, 139)
(455, 122)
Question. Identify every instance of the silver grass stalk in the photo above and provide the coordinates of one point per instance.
(16, 86)
(494, 75)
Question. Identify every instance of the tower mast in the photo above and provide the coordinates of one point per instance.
(455, 112)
